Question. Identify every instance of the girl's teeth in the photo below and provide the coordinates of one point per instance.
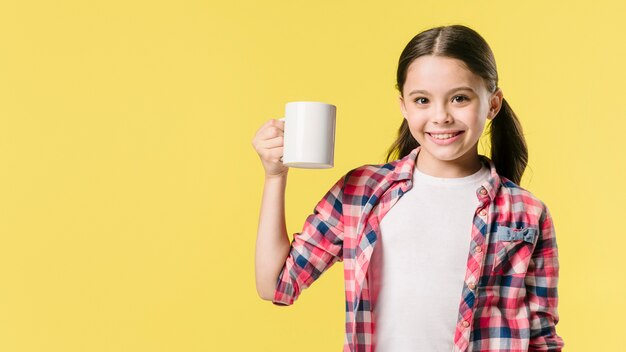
(444, 136)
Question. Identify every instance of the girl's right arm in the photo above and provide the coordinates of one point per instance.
(272, 244)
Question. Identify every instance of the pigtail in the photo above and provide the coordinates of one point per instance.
(508, 146)
(403, 145)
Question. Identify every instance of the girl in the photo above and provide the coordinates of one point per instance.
(442, 249)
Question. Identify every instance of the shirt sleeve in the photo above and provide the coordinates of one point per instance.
(315, 249)
(541, 287)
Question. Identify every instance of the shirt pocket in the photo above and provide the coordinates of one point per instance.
(513, 250)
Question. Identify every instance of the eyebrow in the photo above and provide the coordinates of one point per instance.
(415, 91)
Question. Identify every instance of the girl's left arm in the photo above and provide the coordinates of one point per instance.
(541, 287)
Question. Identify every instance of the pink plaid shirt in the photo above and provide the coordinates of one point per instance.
(509, 299)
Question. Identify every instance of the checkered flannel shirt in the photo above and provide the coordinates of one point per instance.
(509, 298)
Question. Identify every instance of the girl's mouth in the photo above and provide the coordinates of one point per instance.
(445, 138)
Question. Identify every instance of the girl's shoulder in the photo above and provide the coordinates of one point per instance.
(396, 169)
(368, 179)
(373, 172)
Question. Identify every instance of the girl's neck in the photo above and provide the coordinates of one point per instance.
(467, 165)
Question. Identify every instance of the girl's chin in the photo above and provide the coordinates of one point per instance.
(445, 153)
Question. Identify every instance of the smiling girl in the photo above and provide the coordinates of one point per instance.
(442, 249)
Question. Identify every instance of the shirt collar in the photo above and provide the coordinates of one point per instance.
(403, 170)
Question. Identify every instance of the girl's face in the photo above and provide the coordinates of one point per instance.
(446, 107)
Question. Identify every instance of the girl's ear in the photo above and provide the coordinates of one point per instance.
(402, 107)
(495, 103)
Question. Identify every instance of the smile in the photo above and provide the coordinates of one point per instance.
(445, 138)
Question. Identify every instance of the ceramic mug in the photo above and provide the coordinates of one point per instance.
(309, 138)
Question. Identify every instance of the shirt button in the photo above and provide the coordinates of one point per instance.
(479, 249)
(483, 212)
(483, 191)
(465, 323)
(471, 286)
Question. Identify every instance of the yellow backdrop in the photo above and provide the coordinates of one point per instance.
(130, 191)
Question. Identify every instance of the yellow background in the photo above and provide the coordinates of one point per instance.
(130, 192)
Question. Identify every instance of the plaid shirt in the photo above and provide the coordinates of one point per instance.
(509, 299)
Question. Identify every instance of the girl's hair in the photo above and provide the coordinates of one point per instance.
(508, 146)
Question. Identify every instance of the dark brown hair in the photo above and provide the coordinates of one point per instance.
(508, 146)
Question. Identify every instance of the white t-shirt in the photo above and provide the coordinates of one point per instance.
(419, 262)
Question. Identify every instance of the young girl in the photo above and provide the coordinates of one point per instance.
(442, 249)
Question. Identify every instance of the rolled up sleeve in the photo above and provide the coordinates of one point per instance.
(541, 287)
(315, 249)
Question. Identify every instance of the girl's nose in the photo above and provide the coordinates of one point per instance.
(441, 116)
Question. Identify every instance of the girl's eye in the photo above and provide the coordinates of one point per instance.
(460, 96)
(423, 100)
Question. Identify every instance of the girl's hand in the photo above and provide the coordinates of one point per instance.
(268, 143)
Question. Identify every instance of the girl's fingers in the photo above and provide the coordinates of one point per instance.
(270, 132)
(264, 125)
(272, 143)
(269, 136)
(276, 123)
(281, 125)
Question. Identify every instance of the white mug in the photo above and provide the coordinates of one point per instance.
(309, 138)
